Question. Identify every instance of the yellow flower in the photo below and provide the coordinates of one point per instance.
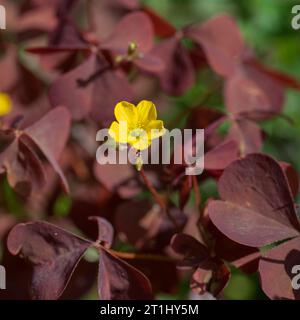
(136, 125)
(5, 104)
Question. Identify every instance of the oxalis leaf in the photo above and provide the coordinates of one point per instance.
(20, 158)
(210, 273)
(55, 253)
(257, 206)
(278, 271)
(50, 134)
(222, 55)
(257, 209)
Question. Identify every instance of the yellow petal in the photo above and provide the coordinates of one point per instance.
(146, 112)
(125, 111)
(5, 104)
(118, 132)
(155, 129)
(141, 144)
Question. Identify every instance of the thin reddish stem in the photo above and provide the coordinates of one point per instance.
(158, 198)
(142, 256)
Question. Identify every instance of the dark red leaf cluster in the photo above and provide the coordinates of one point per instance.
(155, 227)
(256, 210)
(55, 254)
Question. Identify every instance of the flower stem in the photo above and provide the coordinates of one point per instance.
(158, 198)
(141, 256)
(198, 202)
(196, 192)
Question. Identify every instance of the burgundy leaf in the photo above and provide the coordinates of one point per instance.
(109, 89)
(149, 62)
(51, 131)
(82, 281)
(42, 19)
(210, 120)
(135, 28)
(117, 178)
(256, 207)
(24, 170)
(65, 38)
(242, 257)
(120, 281)
(55, 50)
(178, 74)
(9, 67)
(133, 219)
(53, 252)
(18, 278)
(248, 134)
(50, 134)
(210, 272)
(64, 8)
(128, 4)
(162, 27)
(67, 35)
(278, 273)
(95, 87)
(282, 78)
(252, 94)
(28, 88)
(203, 117)
(79, 102)
(221, 156)
(292, 176)
(221, 40)
(194, 252)
(211, 276)
(105, 231)
(153, 270)
(6, 138)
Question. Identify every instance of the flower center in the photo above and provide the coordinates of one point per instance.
(137, 133)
